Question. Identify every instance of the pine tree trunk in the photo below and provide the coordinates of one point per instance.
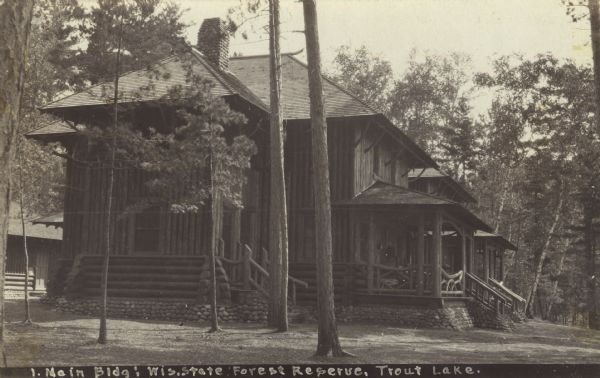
(544, 251)
(15, 23)
(328, 341)
(102, 334)
(215, 202)
(278, 237)
(594, 8)
(27, 319)
(589, 249)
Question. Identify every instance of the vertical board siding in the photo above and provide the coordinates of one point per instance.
(376, 155)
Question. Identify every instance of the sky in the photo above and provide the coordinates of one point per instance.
(482, 29)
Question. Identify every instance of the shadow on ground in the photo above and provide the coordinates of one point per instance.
(66, 339)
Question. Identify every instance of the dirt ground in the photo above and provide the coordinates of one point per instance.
(65, 339)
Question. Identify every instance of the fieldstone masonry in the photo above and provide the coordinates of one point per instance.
(252, 307)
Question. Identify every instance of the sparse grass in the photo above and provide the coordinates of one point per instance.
(56, 338)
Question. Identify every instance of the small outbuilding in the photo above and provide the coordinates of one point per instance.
(43, 244)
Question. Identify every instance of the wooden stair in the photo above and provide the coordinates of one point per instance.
(16, 281)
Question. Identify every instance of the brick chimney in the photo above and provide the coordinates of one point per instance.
(213, 42)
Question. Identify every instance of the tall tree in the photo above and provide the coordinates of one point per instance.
(153, 29)
(102, 334)
(27, 319)
(15, 25)
(278, 236)
(365, 75)
(328, 340)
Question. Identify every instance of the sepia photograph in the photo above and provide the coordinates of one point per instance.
(319, 188)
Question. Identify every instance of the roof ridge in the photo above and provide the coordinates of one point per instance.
(369, 106)
(217, 73)
(261, 55)
(214, 71)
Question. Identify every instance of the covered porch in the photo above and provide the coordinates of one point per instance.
(411, 244)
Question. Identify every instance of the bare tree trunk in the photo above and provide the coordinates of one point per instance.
(111, 182)
(27, 319)
(278, 237)
(215, 202)
(590, 254)
(505, 186)
(15, 24)
(544, 251)
(558, 272)
(328, 341)
(594, 8)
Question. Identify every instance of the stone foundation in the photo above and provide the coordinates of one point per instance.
(452, 316)
(485, 318)
(253, 309)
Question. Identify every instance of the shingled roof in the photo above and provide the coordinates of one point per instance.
(384, 194)
(437, 174)
(253, 71)
(247, 77)
(501, 240)
(154, 83)
(34, 230)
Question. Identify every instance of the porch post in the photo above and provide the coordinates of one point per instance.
(371, 254)
(236, 227)
(501, 254)
(356, 242)
(464, 258)
(472, 254)
(420, 253)
(486, 262)
(437, 254)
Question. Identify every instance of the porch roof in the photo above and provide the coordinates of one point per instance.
(33, 230)
(385, 194)
(55, 220)
(438, 174)
(57, 127)
(503, 242)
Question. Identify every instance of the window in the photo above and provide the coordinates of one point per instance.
(147, 231)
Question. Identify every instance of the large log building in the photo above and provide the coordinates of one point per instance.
(402, 233)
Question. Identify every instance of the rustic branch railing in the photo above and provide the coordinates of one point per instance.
(486, 294)
(453, 282)
(254, 275)
(293, 282)
(400, 278)
(517, 303)
(390, 278)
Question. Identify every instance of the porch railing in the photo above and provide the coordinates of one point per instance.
(452, 284)
(386, 278)
(487, 295)
(517, 303)
(245, 268)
